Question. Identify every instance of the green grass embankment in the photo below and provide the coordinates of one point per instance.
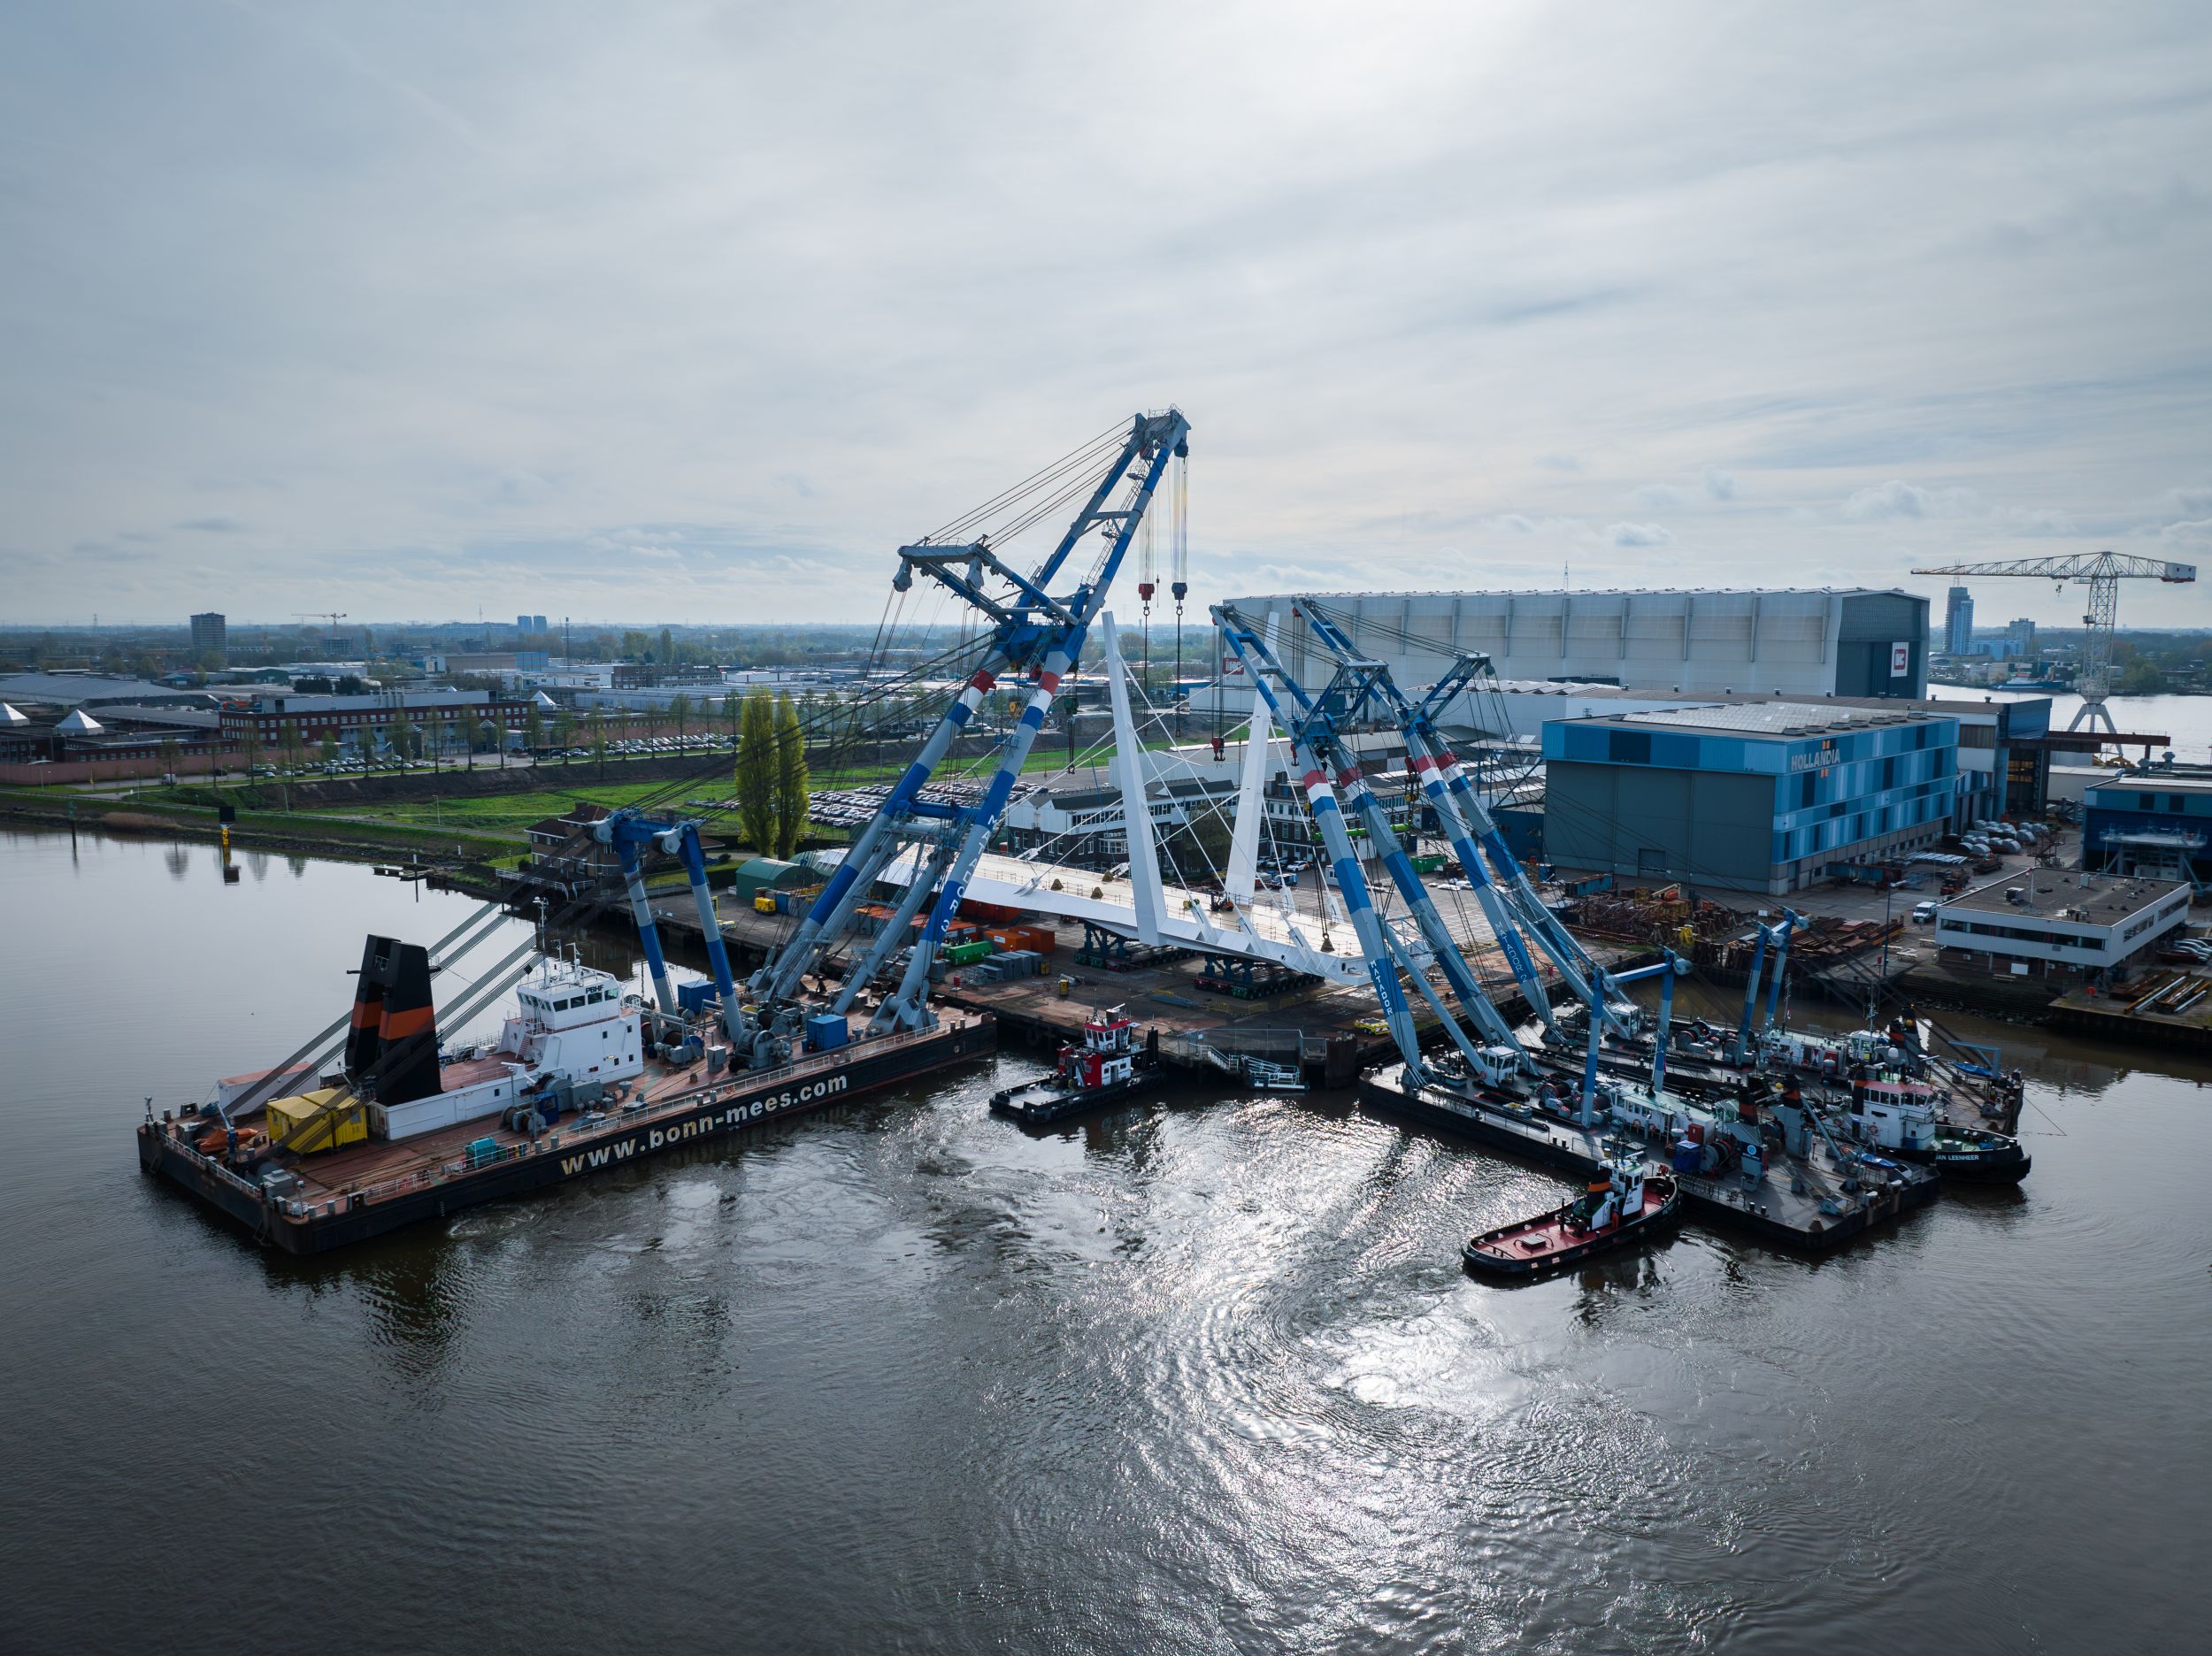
(287, 830)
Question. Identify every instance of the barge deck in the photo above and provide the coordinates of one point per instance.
(361, 1191)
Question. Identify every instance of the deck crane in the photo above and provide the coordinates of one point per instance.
(629, 832)
(1778, 935)
(1031, 632)
(1510, 901)
(2103, 572)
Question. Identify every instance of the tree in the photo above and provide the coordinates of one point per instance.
(791, 775)
(668, 646)
(532, 728)
(330, 748)
(172, 756)
(288, 741)
(757, 772)
(729, 711)
(679, 709)
(565, 733)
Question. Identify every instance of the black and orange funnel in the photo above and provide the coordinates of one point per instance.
(392, 1049)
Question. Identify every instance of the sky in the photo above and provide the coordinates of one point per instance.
(694, 312)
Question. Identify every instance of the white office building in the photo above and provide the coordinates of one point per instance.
(2058, 922)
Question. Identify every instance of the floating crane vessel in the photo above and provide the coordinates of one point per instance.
(585, 1077)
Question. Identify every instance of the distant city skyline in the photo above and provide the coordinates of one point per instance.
(700, 311)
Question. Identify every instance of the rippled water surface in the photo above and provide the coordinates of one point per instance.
(1203, 1376)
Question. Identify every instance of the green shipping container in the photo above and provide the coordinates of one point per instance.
(968, 953)
(1427, 864)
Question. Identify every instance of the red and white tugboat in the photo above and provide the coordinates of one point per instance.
(1106, 1068)
(1627, 1204)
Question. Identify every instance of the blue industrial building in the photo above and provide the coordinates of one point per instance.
(2124, 820)
(1767, 796)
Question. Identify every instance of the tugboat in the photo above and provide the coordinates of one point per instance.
(1901, 1115)
(1105, 1068)
(1626, 1204)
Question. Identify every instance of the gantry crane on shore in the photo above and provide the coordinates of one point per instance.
(2103, 572)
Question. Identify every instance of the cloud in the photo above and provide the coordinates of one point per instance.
(2032, 520)
(1635, 534)
(1660, 494)
(2193, 532)
(443, 319)
(1899, 499)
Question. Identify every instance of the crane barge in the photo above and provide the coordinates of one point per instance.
(586, 1076)
(1486, 1085)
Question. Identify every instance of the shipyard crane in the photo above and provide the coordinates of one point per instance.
(2103, 572)
(1315, 724)
(1311, 724)
(1510, 901)
(1032, 632)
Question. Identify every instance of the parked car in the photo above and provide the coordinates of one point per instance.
(1924, 914)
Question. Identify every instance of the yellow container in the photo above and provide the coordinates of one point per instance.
(763, 903)
(321, 1123)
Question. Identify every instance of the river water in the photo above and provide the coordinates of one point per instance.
(2185, 721)
(1204, 1375)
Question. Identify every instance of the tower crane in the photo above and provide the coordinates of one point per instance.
(2103, 572)
(332, 615)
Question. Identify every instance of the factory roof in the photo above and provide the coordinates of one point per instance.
(71, 689)
(2088, 899)
(1328, 599)
(2153, 781)
(1767, 718)
(1984, 707)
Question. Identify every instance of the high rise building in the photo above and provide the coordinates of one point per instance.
(210, 637)
(2021, 630)
(1958, 623)
(529, 625)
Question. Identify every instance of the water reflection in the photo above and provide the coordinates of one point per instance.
(180, 861)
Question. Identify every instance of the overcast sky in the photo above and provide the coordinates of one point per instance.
(693, 312)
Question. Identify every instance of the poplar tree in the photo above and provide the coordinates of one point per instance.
(791, 775)
(757, 772)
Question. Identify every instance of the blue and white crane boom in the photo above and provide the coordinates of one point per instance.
(1311, 724)
(1421, 755)
(1031, 632)
(1380, 949)
(1342, 701)
(1475, 838)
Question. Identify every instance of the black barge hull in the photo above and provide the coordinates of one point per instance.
(1773, 1214)
(734, 1104)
